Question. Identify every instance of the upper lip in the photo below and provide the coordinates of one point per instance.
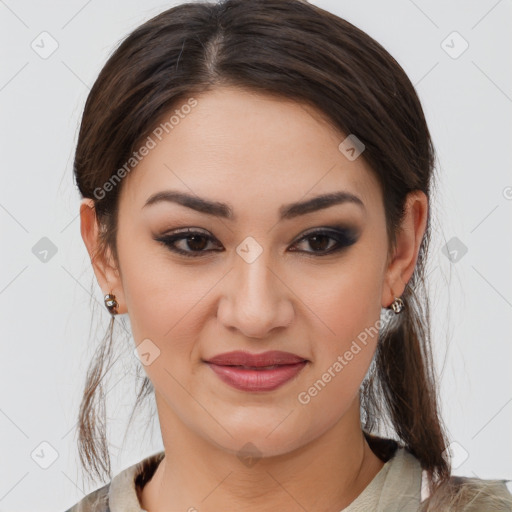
(241, 358)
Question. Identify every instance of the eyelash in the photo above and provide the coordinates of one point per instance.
(344, 238)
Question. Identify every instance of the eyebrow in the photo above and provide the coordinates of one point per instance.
(223, 210)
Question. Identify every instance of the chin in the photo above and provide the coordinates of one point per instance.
(263, 438)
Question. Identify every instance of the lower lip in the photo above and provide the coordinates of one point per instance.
(246, 379)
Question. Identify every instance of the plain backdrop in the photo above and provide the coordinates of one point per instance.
(457, 54)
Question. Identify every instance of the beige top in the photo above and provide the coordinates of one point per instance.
(399, 485)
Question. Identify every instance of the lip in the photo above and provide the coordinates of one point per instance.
(247, 372)
(241, 358)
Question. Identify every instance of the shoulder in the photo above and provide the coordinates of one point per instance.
(96, 501)
(456, 494)
(468, 494)
(121, 493)
(483, 494)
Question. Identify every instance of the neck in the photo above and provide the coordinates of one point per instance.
(324, 475)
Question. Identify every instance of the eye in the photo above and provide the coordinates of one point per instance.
(321, 240)
(194, 243)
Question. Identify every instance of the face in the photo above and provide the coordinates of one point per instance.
(310, 281)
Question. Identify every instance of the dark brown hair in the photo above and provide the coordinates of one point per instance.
(294, 50)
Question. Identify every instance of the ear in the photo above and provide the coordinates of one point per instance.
(102, 260)
(408, 239)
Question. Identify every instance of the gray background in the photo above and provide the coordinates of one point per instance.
(47, 335)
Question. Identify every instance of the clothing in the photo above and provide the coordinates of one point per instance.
(120, 495)
(399, 485)
(401, 474)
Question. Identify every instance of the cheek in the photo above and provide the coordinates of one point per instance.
(155, 295)
(349, 309)
(340, 360)
(348, 299)
(168, 305)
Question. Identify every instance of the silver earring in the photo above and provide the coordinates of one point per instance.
(397, 305)
(111, 303)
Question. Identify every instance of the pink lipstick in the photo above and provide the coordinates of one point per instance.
(256, 372)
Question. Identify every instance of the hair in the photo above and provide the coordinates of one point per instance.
(292, 50)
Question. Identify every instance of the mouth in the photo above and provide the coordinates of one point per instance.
(253, 367)
(256, 360)
(256, 372)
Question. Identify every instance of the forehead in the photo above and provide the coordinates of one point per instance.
(234, 144)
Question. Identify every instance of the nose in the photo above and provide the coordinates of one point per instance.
(257, 299)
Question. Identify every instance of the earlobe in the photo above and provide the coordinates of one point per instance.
(102, 261)
(408, 241)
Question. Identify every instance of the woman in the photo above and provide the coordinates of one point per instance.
(220, 144)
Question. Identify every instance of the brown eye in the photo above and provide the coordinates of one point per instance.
(196, 242)
(193, 243)
(321, 241)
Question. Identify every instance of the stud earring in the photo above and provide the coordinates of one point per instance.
(111, 303)
(397, 305)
